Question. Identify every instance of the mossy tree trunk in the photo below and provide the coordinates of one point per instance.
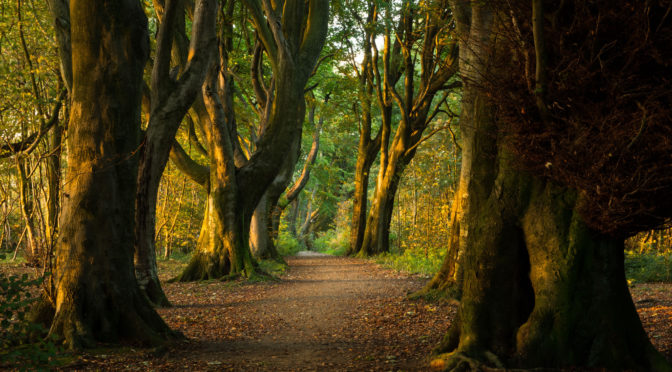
(542, 290)
(539, 288)
(367, 147)
(264, 229)
(292, 35)
(438, 63)
(377, 232)
(261, 240)
(97, 297)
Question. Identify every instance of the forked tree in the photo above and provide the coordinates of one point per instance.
(171, 98)
(292, 34)
(436, 55)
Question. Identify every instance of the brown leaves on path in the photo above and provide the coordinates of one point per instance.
(326, 313)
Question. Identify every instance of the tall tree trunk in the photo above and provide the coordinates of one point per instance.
(293, 216)
(539, 288)
(97, 296)
(261, 241)
(170, 102)
(367, 148)
(377, 234)
(366, 154)
(28, 210)
(273, 206)
(53, 184)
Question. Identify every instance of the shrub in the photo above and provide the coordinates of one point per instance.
(21, 345)
(287, 244)
(333, 242)
(648, 267)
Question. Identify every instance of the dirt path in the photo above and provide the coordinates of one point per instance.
(326, 314)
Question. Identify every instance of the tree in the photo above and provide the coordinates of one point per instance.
(97, 297)
(438, 63)
(368, 147)
(292, 36)
(541, 287)
(170, 100)
(266, 217)
(34, 81)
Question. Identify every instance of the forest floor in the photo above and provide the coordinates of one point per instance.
(324, 314)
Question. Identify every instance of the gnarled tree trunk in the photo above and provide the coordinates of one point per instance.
(539, 289)
(292, 36)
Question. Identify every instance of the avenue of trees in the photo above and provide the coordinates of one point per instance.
(519, 143)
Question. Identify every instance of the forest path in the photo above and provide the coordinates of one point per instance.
(325, 314)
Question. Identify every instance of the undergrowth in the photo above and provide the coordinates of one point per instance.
(413, 261)
(287, 244)
(22, 345)
(333, 242)
(648, 267)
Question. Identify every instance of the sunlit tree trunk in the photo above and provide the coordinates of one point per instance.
(377, 236)
(260, 241)
(292, 37)
(437, 65)
(367, 148)
(97, 297)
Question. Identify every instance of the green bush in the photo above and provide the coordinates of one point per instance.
(648, 267)
(333, 242)
(287, 244)
(21, 345)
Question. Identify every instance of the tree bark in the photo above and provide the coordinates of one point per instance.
(539, 288)
(367, 148)
(170, 102)
(292, 36)
(438, 63)
(33, 251)
(97, 296)
(377, 233)
(273, 200)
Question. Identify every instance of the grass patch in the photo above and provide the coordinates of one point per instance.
(648, 267)
(413, 261)
(173, 266)
(6, 258)
(273, 267)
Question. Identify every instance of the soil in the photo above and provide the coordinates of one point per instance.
(324, 314)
